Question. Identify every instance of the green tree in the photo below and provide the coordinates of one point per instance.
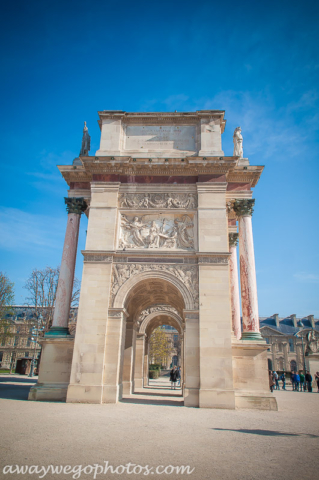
(6, 301)
(160, 346)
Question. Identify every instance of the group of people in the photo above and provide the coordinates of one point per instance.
(175, 377)
(299, 381)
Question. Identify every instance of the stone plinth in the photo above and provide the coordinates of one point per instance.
(55, 369)
(251, 381)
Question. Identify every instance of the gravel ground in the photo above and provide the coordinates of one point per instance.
(218, 444)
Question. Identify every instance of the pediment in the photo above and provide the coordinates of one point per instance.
(268, 331)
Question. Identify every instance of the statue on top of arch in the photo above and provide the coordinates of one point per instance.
(238, 143)
(86, 142)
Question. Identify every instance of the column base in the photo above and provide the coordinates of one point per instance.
(55, 369)
(57, 331)
(138, 383)
(255, 336)
(217, 399)
(251, 379)
(127, 387)
(84, 394)
(191, 397)
(51, 392)
(256, 401)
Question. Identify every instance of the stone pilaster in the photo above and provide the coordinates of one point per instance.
(128, 358)
(192, 359)
(75, 207)
(249, 301)
(114, 353)
(139, 360)
(234, 285)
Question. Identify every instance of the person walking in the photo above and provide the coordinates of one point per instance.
(293, 381)
(297, 381)
(302, 382)
(271, 381)
(173, 378)
(179, 375)
(283, 379)
(276, 379)
(309, 381)
(317, 380)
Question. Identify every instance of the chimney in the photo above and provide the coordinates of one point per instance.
(311, 319)
(276, 317)
(294, 319)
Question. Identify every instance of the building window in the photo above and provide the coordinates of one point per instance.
(291, 345)
(26, 354)
(293, 366)
(267, 340)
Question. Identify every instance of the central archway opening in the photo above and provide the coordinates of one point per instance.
(154, 309)
(164, 348)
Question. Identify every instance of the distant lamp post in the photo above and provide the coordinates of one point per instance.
(34, 339)
(298, 334)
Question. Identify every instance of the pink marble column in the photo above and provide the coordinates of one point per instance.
(234, 285)
(75, 207)
(249, 301)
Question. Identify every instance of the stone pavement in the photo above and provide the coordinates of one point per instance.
(219, 444)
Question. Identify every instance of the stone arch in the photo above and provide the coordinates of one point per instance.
(147, 320)
(122, 294)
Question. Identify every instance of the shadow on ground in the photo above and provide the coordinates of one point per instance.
(144, 401)
(270, 433)
(23, 379)
(15, 392)
(156, 394)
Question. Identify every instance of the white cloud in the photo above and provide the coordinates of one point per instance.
(306, 277)
(24, 232)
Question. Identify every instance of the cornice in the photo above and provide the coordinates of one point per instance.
(250, 174)
(188, 166)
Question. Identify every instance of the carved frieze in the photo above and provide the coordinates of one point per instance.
(188, 275)
(157, 308)
(157, 200)
(156, 232)
(221, 260)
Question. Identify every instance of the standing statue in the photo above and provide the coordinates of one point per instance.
(86, 142)
(238, 143)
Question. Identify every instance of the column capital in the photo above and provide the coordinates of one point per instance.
(233, 239)
(75, 205)
(244, 208)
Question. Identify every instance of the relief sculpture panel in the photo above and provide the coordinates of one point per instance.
(157, 232)
(158, 200)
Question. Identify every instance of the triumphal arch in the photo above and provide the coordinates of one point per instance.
(166, 209)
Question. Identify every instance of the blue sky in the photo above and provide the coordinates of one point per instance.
(64, 61)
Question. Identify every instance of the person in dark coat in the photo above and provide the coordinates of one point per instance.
(308, 379)
(173, 378)
(271, 381)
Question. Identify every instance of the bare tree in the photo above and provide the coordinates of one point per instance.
(42, 287)
(6, 301)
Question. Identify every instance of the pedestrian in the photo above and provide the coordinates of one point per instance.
(179, 375)
(271, 381)
(297, 381)
(283, 379)
(293, 381)
(317, 380)
(173, 378)
(309, 381)
(276, 379)
(302, 382)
